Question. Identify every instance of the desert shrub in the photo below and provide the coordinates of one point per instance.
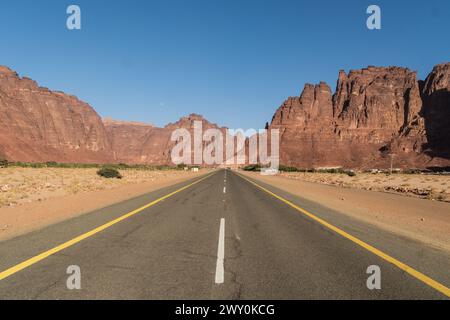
(3, 163)
(181, 166)
(254, 167)
(351, 173)
(117, 166)
(331, 170)
(288, 169)
(37, 165)
(109, 173)
(412, 171)
(164, 168)
(19, 164)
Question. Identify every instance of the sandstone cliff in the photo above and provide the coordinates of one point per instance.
(39, 125)
(375, 112)
(138, 143)
(436, 110)
(127, 139)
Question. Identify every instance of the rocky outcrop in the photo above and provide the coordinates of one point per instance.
(306, 128)
(138, 143)
(127, 139)
(436, 110)
(375, 112)
(314, 104)
(384, 99)
(38, 125)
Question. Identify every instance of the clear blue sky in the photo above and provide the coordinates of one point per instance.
(234, 61)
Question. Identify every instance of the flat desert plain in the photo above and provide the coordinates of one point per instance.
(31, 198)
(433, 187)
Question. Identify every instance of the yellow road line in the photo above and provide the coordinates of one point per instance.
(416, 274)
(65, 245)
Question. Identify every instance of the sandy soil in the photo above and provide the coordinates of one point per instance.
(421, 219)
(26, 185)
(33, 198)
(435, 187)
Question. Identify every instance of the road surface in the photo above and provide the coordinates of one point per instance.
(221, 237)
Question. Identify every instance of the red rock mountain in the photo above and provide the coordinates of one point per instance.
(375, 112)
(39, 125)
(139, 143)
(127, 139)
(436, 110)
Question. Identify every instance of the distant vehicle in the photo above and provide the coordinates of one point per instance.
(269, 171)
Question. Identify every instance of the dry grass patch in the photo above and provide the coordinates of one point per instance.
(433, 187)
(25, 185)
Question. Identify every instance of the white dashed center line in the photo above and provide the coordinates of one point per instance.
(220, 253)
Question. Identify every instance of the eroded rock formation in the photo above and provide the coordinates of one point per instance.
(436, 110)
(38, 125)
(374, 113)
(138, 143)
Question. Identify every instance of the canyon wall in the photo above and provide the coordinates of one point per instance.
(38, 125)
(137, 143)
(375, 113)
(436, 110)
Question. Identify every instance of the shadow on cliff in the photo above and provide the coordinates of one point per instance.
(436, 112)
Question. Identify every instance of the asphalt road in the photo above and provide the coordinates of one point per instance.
(220, 238)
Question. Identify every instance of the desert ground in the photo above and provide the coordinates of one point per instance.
(433, 187)
(31, 198)
(415, 216)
